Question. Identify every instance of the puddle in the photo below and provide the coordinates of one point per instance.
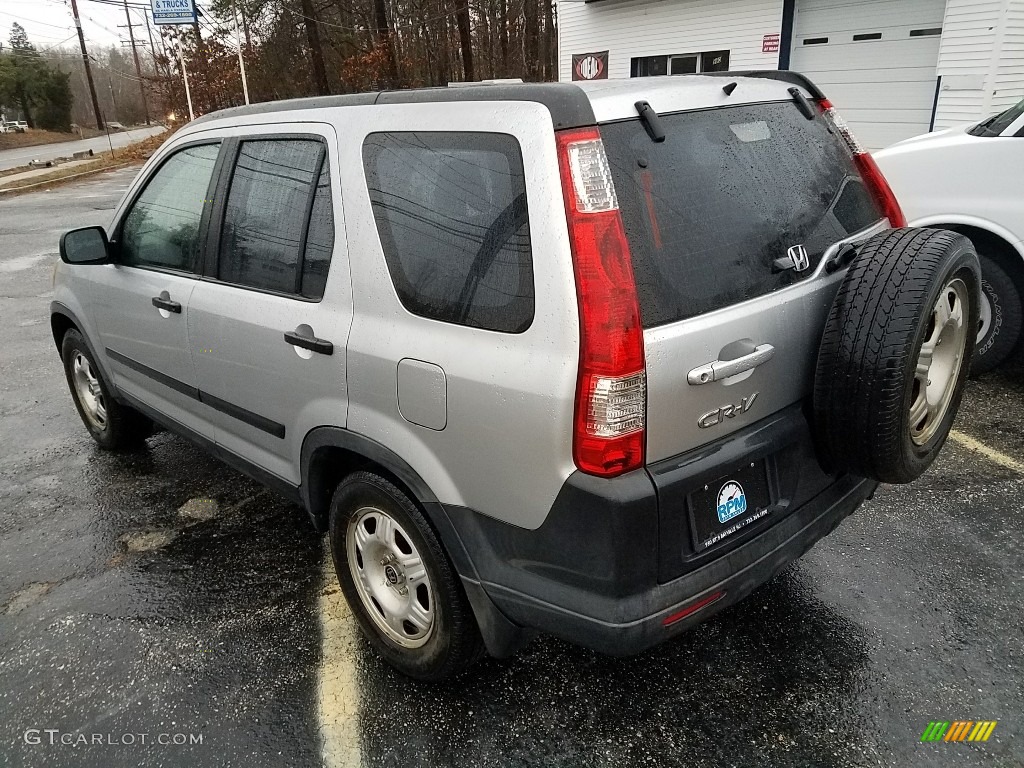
(147, 541)
(26, 597)
(199, 510)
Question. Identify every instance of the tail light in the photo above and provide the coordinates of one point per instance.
(875, 182)
(611, 389)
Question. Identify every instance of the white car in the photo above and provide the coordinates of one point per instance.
(968, 179)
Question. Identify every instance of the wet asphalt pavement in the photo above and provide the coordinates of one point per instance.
(161, 593)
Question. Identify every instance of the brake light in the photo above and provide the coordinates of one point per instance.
(611, 389)
(875, 182)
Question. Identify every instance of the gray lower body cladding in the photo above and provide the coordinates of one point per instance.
(615, 558)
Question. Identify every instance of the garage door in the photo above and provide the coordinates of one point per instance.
(874, 59)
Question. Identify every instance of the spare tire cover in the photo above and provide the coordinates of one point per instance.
(895, 354)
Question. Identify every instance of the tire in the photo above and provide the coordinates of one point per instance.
(113, 426)
(868, 378)
(1001, 316)
(377, 535)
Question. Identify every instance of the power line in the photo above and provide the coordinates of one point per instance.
(34, 52)
(34, 22)
(119, 5)
(43, 39)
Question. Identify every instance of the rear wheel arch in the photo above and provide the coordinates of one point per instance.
(329, 454)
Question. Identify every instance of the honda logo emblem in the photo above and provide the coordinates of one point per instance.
(798, 255)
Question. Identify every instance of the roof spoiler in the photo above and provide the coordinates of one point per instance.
(785, 75)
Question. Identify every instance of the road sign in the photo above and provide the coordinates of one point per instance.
(174, 12)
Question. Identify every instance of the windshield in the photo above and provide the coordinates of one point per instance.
(711, 208)
(996, 124)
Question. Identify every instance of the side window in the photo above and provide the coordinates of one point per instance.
(319, 239)
(162, 227)
(276, 186)
(451, 213)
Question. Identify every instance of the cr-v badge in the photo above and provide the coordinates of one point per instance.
(717, 416)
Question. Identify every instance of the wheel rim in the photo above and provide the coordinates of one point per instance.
(88, 391)
(984, 316)
(939, 361)
(390, 577)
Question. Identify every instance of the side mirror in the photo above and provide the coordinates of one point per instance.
(88, 245)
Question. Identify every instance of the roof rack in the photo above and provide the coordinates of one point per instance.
(494, 81)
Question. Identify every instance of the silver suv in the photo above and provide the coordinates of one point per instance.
(593, 361)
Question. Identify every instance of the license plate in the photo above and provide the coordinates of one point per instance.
(729, 504)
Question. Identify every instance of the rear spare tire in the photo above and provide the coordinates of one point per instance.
(896, 352)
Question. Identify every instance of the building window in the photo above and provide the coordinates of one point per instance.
(930, 32)
(683, 65)
(679, 64)
(648, 66)
(867, 36)
(816, 41)
(714, 61)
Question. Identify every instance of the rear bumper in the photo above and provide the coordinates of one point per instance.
(636, 622)
(609, 566)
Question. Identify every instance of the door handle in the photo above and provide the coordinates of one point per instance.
(723, 369)
(320, 346)
(161, 302)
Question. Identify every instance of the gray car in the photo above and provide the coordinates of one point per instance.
(591, 361)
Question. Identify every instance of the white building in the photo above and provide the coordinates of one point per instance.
(894, 68)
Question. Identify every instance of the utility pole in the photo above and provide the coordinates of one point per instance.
(241, 59)
(138, 69)
(113, 99)
(152, 45)
(188, 92)
(88, 70)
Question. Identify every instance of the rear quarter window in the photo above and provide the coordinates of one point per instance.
(729, 191)
(451, 212)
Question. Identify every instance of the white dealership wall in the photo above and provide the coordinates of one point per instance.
(978, 66)
(981, 61)
(633, 28)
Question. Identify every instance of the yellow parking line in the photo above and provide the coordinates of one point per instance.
(991, 454)
(338, 692)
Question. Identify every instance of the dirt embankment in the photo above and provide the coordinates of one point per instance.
(37, 137)
(133, 154)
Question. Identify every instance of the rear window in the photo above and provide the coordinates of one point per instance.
(729, 191)
(451, 213)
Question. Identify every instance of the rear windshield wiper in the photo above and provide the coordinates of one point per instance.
(803, 103)
(651, 121)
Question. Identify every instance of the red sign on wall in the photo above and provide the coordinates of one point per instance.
(770, 43)
(590, 66)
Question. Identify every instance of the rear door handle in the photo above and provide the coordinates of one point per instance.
(320, 346)
(161, 302)
(723, 369)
